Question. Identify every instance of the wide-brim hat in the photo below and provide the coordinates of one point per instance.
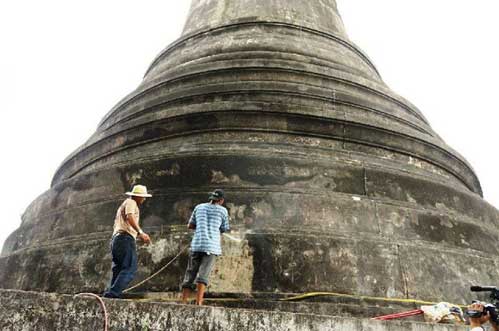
(139, 191)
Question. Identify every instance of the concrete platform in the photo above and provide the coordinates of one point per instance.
(43, 311)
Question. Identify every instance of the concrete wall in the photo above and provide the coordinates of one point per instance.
(39, 311)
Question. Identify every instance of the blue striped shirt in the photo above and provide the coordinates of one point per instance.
(210, 220)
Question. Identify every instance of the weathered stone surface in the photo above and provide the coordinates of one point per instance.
(47, 312)
(334, 182)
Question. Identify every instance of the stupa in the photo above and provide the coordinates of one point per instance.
(334, 182)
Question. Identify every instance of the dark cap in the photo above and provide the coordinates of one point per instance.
(216, 195)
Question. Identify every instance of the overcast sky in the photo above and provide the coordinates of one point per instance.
(64, 64)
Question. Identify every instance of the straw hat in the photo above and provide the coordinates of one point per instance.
(139, 191)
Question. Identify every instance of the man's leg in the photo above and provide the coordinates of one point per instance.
(207, 263)
(116, 265)
(115, 268)
(117, 257)
(190, 276)
(201, 288)
(124, 249)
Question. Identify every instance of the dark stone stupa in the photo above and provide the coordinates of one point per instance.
(335, 182)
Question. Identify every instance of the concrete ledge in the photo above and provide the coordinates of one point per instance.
(42, 311)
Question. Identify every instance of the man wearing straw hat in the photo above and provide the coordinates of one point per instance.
(123, 249)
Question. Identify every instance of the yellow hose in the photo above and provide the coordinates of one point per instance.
(361, 297)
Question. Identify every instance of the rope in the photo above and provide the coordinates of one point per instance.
(168, 264)
(399, 315)
(157, 272)
(103, 305)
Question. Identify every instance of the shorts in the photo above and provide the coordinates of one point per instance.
(198, 269)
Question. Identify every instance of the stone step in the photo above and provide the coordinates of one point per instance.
(47, 312)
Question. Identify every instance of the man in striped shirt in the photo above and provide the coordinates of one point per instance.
(208, 220)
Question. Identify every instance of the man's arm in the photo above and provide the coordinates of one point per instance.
(225, 227)
(191, 225)
(134, 224)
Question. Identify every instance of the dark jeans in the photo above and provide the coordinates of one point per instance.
(124, 264)
(198, 269)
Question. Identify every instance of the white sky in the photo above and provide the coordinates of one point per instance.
(64, 64)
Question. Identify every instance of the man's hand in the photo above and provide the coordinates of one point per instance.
(135, 225)
(145, 238)
(478, 321)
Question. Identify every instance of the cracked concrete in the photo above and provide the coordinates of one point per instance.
(48, 312)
